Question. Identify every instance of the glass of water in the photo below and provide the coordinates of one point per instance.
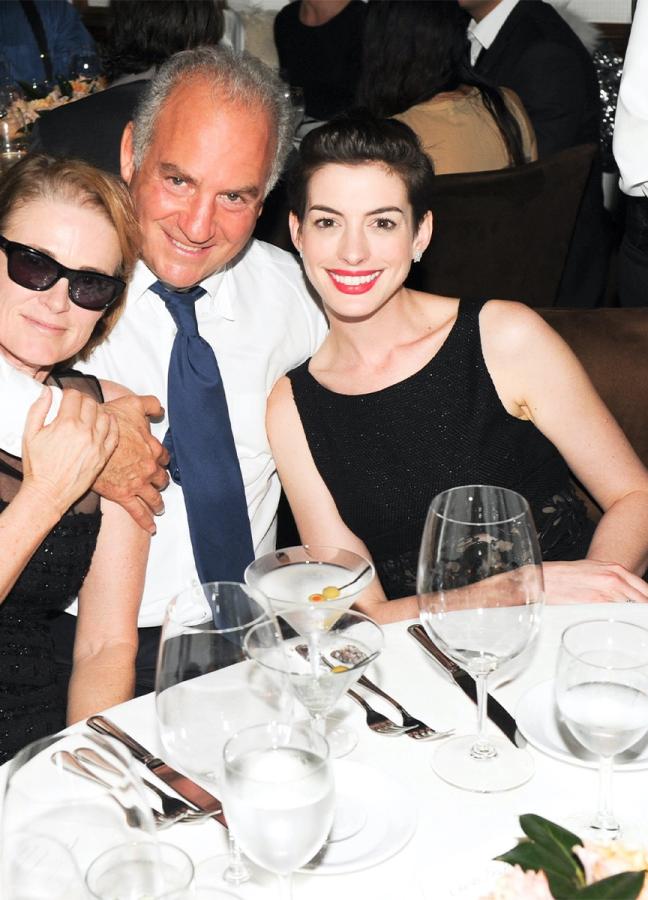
(602, 696)
(279, 797)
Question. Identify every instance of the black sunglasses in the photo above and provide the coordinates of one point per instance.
(37, 271)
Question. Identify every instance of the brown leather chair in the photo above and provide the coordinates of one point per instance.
(612, 345)
(504, 233)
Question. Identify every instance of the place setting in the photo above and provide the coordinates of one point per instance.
(242, 698)
(285, 729)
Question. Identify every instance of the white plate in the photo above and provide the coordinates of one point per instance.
(391, 821)
(538, 720)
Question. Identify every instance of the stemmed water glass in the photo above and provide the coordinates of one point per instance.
(324, 652)
(207, 689)
(279, 796)
(602, 696)
(55, 823)
(480, 595)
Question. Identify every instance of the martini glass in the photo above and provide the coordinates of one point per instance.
(310, 574)
(324, 652)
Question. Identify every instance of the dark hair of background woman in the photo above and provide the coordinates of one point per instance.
(416, 49)
(145, 33)
(356, 138)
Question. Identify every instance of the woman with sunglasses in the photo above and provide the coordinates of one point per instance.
(68, 240)
(412, 393)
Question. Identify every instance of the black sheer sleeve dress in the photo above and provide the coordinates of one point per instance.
(32, 702)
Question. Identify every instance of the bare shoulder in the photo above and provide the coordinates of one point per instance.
(508, 327)
(113, 391)
(280, 401)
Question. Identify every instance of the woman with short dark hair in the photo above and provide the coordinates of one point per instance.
(411, 393)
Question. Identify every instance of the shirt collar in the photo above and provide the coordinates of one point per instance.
(216, 300)
(487, 30)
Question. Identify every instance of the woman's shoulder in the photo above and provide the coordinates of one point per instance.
(78, 381)
(510, 328)
(517, 109)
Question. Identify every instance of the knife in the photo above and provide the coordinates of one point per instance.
(178, 782)
(494, 709)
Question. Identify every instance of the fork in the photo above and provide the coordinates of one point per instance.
(172, 807)
(133, 818)
(417, 730)
(376, 721)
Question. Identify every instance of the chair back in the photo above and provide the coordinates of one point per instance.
(612, 345)
(505, 233)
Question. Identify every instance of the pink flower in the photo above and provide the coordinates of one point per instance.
(517, 883)
(603, 860)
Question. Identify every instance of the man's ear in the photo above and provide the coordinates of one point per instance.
(295, 230)
(127, 154)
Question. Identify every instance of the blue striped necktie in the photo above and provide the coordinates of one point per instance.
(203, 453)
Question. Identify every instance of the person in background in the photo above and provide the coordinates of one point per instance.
(630, 145)
(39, 38)
(412, 393)
(319, 43)
(527, 46)
(141, 35)
(415, 68)
(56, 538)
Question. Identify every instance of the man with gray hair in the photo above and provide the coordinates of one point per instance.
(212, 320)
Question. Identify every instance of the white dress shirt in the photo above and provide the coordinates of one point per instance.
(261, 322)
(630, 141)
(17, 393)
(482, 34)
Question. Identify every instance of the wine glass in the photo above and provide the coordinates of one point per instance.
(37, 867)
(602, 696)
(13, 139)
(324, 652)
(279, 796)
(55, 823)
(207, 689)
(310, 573)
(480, 596)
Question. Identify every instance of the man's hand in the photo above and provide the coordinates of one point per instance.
(134, 474)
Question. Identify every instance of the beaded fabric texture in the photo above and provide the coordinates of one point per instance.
(32, 703)
(385, 455)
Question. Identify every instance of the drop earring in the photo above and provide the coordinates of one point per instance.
(417, 256)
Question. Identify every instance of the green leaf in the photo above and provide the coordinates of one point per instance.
(548, 833)
(564, 881)
(626, 886)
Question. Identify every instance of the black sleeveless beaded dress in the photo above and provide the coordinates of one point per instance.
(385, 455)
(32, 702)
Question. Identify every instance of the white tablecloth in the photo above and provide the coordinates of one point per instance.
(457, 831)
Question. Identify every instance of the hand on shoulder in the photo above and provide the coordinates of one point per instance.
(61, 460)
(135, 474)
